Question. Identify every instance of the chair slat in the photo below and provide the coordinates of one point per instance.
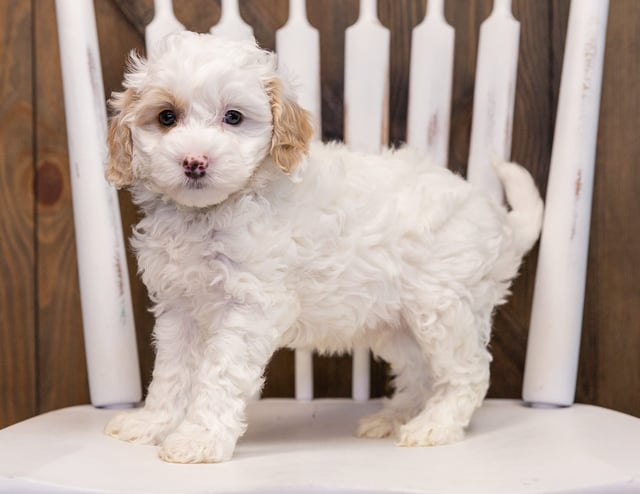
(556, 320)
(163, 23)
(298, 49)
(303, 374)
(494, 97)
(430, 82)
(366, 109)
(107, 312)
(366, 83)
(231, 24)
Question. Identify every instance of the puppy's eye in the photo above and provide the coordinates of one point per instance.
(167, 118)
(232, 117)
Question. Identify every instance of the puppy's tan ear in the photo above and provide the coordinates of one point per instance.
(119, 170)
(292, 129)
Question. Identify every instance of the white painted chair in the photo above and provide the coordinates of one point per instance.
(307, 445)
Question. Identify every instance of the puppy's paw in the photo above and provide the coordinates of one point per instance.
(378, 425)
(196, 446)
(139, 426)
(417, 432)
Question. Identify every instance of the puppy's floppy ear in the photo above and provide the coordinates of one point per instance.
(119, 170)
(292, 129)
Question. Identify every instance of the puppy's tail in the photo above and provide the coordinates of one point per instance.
(526, 204)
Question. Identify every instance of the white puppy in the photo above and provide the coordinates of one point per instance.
(252, 238)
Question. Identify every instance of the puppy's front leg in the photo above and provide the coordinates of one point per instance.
(167, 397)
(231, 371)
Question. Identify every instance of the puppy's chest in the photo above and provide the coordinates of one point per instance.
(179, 258)
(190, 257)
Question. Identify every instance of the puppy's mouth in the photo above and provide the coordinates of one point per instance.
(195, 184)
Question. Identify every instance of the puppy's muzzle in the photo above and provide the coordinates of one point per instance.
(195, 166)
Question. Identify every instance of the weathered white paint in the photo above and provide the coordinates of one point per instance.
(494, 97)
(164, 22)
(556, 319)
(309, 448)
(298, 49)
(430, 82)
(107, 313)
(366, 81)
(231, 25)
(303, 368)
(366, 116)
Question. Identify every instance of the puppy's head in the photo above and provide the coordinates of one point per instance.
(199, 116)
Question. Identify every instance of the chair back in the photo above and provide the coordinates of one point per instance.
(552, 355)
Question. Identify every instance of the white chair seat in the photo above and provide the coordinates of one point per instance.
(309, 446)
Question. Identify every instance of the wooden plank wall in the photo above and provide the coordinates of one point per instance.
(18, 354)
(41, 344)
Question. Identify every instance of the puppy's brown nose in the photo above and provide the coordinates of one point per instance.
(195, 166)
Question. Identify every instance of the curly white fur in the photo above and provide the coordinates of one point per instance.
(386, 251)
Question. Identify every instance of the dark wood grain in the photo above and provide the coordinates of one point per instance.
(62, 381)
(265, 18)
(532, 137)
(331, 18)
(465, 17)
(611, 317)
(18, 386)
(400, 17)
(279, 376)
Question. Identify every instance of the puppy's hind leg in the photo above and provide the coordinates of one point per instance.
(454, 343)
(398, 347)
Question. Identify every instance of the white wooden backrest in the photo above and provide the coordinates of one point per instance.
(556, 321)
(107, 313)
(298, 48)
(552, 353)
(366, 119)
(429, 109)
